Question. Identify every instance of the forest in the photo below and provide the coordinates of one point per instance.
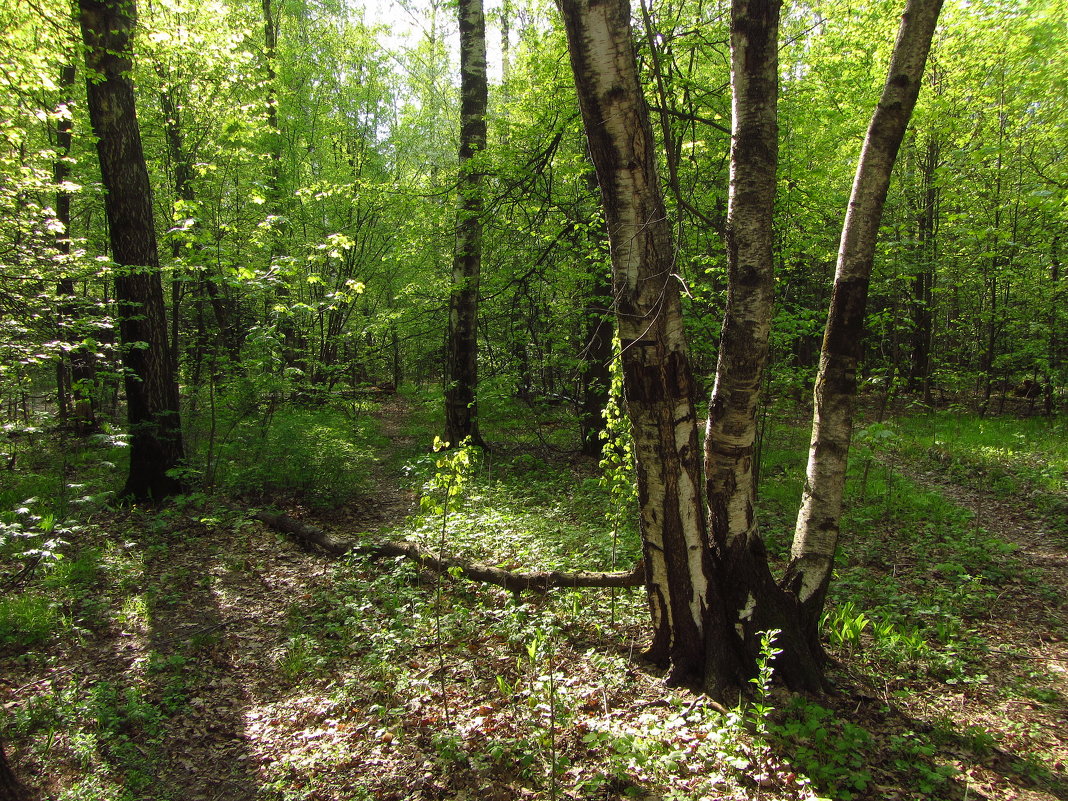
(588, 399)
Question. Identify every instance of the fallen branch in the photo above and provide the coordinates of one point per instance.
(313, 536)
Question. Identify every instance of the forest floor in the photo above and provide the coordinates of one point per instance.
(207, 658)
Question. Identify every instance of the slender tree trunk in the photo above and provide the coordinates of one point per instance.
(151, 388)
(221, 306)
(461, 367)
(291, 340)
(657, 381)
(595, 374)
(76, 375)
(1056, 301)
(922, 287)
(816, 533)
(753, 602)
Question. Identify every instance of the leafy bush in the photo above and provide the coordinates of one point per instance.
(319, 455)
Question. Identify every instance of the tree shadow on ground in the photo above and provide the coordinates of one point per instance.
(189, 675)
(911, 758)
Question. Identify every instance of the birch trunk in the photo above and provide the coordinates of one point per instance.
(752, 601)
(816, 534)
(657, 381)
(461, 368)
(151, 388)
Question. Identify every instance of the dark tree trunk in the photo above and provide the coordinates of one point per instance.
(461, 365)
(595, 374)
(75, 371)
(151, 388)
(1056, 303)
(11, 788)
(221, 306)
(816, 533)
(919, 379)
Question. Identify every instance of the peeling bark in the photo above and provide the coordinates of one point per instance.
(752, 602)
(657, 381)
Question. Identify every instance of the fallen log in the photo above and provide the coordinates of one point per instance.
(309, 536)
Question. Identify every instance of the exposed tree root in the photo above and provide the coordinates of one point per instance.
(309, 536)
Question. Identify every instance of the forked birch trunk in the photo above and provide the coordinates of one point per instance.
(657, 381)
(816, 534)
(461, 368)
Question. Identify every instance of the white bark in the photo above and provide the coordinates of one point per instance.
(816, 532)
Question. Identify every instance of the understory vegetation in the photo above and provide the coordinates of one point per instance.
(186, 651)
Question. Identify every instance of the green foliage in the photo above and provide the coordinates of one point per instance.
(321, 456)
(833, 753)
(27, 620)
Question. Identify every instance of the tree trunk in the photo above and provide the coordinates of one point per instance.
(221, 306)
(1056, 302)
(922, 287)
(596, 354)
(151, 389)
(657, 382)
(753, 601)
(816, 533)
(10, 787)
(461, 367)
(75, 370)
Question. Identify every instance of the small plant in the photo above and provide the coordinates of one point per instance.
(760, 710)
(617, 464)
(845, 625)
(441, 495)
(831, 752)
(298, 657)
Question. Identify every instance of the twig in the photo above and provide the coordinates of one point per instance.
(43, 679)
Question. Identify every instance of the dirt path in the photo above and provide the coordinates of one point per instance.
(207, 634)
(1027, 634)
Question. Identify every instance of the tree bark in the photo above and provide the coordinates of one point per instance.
(151, 388)
(816, 533)
(753, 602)
(461, 367)
(11, 788)
(657, 382)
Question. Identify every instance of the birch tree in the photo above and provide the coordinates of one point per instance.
(818, 521)
(461, 368)
(657, 381)
(711, 590)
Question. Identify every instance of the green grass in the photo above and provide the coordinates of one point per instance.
(1012, 457)
(26, 620)
(321, 456)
